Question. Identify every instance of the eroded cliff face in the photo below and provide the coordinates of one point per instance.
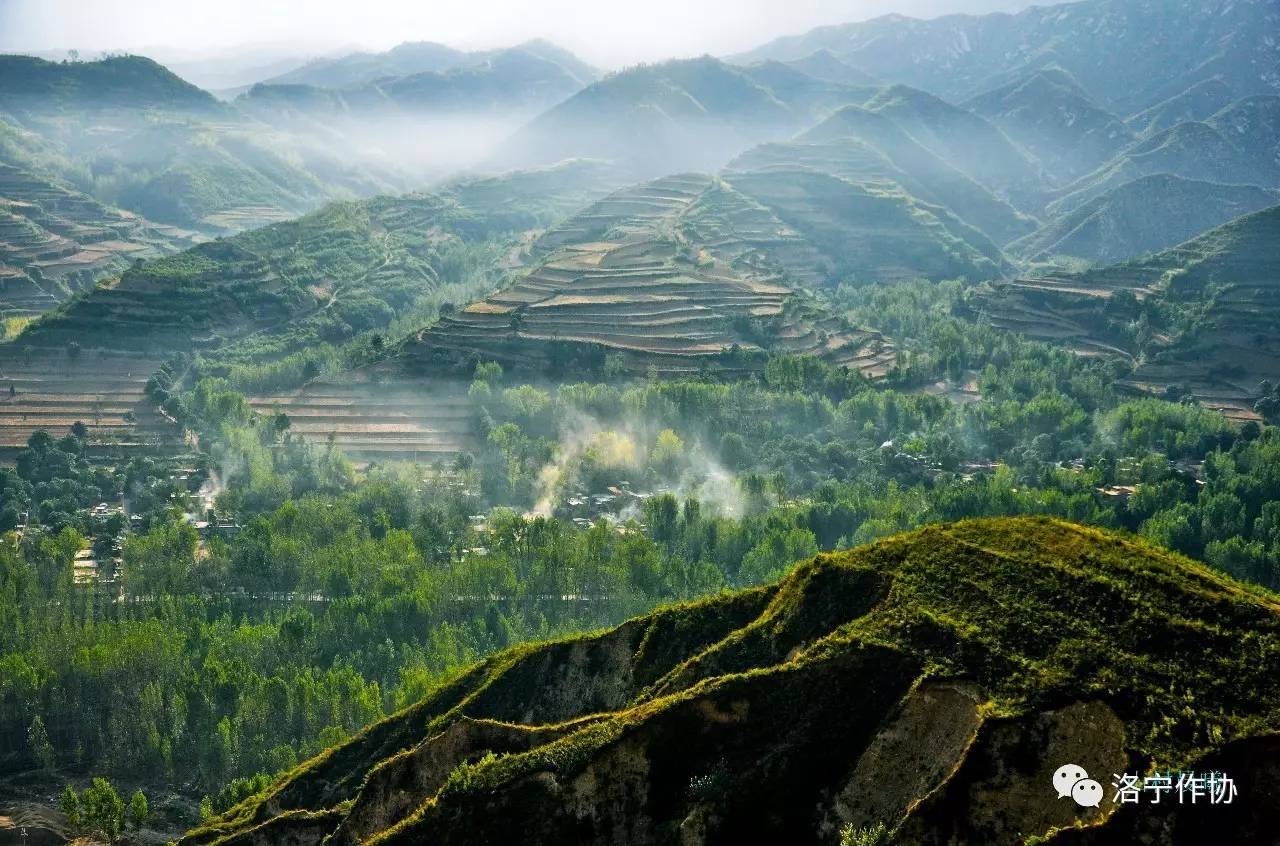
(997, 791)
(931, 683)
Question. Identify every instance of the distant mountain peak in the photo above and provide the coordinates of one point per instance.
(113, 82)
(416, 57)
(1117, 49)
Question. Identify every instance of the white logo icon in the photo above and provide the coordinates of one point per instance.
(1065, 777)
(1071, 780)
(1087, 793)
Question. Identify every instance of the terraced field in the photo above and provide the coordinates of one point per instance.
(55, 241)
(872, 231)
(357, 263)
(670, 275)
(232, 220)
(916, 168)
(323, 278)
(1210, 306)
(350, 267)
(378, 419)
(103, 389)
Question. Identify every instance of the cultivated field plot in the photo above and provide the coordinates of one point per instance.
(390, 419)
(104, 390)
(668, 275)
(55, 241)
(1220, 288)
(231, 221)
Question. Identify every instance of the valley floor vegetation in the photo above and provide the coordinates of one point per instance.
(227, 647)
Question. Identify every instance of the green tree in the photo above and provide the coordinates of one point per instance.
(70, 805)
(103, 809)
(871, 835)
(138, 810)
(667, 451)
(38, 743)
(771, 557)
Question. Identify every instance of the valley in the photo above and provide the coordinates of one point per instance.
(372, 419)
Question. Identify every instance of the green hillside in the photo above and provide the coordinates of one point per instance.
(692, 272)
(1055, 120)
(1145, 215)
(325, 278)
(789, 711)
(965, 141)
(923, 172)
(681, 115)
(678, 275)
(1241, 155)
(278, 276)
(132, 82)
(1196, 320)
(55, 241)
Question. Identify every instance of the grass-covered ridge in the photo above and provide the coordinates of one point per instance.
(762, 711)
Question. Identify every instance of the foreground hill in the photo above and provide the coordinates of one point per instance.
(931, 683)
(1198, 319)
(1141, 216)
(1134, 55)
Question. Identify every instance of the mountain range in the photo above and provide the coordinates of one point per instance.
(1130, 55)
(412, 58)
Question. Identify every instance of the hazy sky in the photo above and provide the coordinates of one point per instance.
(602, 31)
